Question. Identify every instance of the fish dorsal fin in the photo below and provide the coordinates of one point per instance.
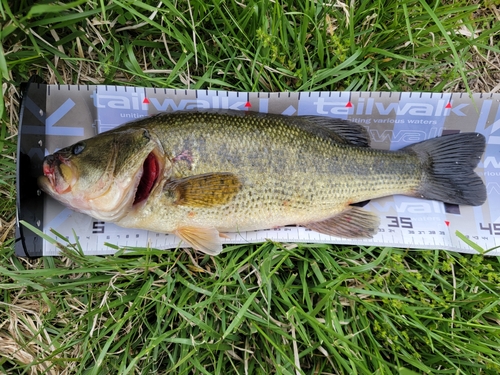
(207, 240)
(353, 222)
(204, 190)
(340, 130)
(360, 204)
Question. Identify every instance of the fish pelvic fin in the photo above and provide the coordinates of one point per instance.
(354, 222)
(449, 163)
(206, 240)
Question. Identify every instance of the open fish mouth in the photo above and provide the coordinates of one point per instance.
(149, 177)
(59, 172)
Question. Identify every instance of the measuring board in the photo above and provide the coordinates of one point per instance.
(55, 116)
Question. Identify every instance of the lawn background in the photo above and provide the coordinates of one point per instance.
(259, 309)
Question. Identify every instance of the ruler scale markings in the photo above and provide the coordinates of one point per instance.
(398, 238)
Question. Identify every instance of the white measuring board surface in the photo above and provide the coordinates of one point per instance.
(393, 120)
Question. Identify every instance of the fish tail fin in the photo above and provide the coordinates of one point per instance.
(449, 163)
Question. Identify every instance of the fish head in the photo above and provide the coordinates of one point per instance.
(104, 176)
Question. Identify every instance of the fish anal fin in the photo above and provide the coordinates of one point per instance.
(204, 239)
(204, 190)
(354, 222)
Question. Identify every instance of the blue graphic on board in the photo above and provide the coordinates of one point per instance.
(117, 105)
(417, 118)
(222, 100)
(264, 105)
(51, 120)
(333, 104)
(491, 164)
(57, 115)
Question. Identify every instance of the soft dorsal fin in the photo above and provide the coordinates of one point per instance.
(341, 130)
(204, 190)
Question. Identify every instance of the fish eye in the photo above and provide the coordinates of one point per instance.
(78, 148)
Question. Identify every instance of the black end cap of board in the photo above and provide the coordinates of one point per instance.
(30, 153)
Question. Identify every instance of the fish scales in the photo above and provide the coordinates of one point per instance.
(288, 175)
(198, 174)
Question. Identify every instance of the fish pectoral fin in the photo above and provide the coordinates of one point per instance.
(204, 190)
(207, 240)
(352, 223)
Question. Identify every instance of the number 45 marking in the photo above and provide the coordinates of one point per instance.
(493, 229)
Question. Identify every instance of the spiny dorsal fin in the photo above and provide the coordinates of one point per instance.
(353, 222)
(340, 130)
(204, 190)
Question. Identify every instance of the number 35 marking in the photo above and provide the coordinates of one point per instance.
(400, 222)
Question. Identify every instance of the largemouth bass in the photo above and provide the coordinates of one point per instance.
(200, 174)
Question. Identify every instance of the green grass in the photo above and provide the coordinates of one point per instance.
(259, 309)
